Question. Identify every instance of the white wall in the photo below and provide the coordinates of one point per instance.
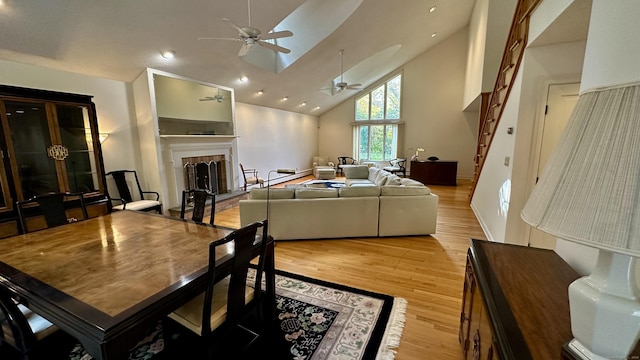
(433, 84)
(488, 30)
(269, 139)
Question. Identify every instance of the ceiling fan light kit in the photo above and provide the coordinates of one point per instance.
(250, 36)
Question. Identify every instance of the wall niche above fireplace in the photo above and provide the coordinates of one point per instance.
(187, 107)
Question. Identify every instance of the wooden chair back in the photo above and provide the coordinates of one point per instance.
(243, 240)
(53, 207)
(197, 199)
(19, 327)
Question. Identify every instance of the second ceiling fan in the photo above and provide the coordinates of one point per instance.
(342, 85)
(251, 36)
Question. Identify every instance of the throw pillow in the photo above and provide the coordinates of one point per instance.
(381, 179)
(410, 182)
(373, 173)
(393, 180)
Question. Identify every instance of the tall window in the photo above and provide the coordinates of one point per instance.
(377, 119)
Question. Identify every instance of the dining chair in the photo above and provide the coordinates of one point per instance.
(55, 207)
(197, 199)
(218, 312)
(21, 328)
(344, 160)
(131, 195)
(251, 177)
(397, 166)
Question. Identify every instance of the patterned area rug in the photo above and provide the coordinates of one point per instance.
(322, 320)
(317, 320)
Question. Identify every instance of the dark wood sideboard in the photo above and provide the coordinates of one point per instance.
(515, 303)
(437, 172)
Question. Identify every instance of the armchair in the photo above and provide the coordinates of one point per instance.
(251, 177)
(323, 168)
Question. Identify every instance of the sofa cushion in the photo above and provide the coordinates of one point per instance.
(395, 190)
(277, 193)
(410, 182)
(373, 174)
(314, 193)
(357, 191)
(393, 179)
(355, 171)
(381, 178)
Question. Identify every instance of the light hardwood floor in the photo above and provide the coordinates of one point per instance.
(427, 271)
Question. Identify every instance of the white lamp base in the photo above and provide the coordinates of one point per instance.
(581, 352)
(605, 309)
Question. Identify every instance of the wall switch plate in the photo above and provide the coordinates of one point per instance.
(506, 160)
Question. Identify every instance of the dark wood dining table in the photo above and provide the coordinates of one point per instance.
(106, 280)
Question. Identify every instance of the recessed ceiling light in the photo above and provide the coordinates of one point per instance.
(434, 35)
(303, 104)
(260, 92)
(316, 108)
(168, 54)
(433, 9)
(244, 79)
(285, 98)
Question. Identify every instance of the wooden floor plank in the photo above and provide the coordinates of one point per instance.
(425, 270)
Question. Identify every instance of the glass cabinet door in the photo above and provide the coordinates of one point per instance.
(30, 138)
(75, 135)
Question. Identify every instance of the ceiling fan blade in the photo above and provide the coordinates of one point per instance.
(219, 38)
(276, 35)
(244, 49)
(207, 98)
(354, 86)
(274, 47)
(237, 27)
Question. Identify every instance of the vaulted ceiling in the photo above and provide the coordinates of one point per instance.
(118, 39)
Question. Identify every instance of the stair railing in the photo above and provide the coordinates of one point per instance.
(491, 111)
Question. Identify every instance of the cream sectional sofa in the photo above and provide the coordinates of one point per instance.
(365, 207)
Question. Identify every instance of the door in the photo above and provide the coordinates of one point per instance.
(561, 100)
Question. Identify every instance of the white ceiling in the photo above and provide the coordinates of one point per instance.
(118, 39)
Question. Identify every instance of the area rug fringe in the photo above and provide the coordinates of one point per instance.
(393, 332)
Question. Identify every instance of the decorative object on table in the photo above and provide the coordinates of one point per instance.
(132, 199)
(433, 158)
(251, 177)
(588, 194)
(416, 156)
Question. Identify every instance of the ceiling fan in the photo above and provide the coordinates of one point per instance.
(342, 85)
(251, 36)
(217, 98)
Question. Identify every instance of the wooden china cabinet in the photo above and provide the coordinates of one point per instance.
(48, 143)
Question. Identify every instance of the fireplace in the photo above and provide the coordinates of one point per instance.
(206, 172)
(199, 163)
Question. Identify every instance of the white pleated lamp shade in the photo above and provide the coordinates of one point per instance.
(589, 191)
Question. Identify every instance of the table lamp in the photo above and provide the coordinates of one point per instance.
(589, 193)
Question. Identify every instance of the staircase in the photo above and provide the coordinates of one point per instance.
(493, 103)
